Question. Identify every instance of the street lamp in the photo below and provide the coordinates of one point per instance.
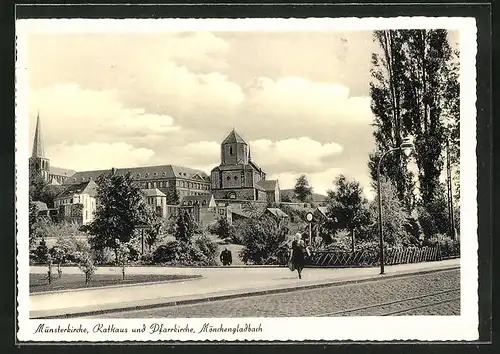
(407, 148)
(309, 218)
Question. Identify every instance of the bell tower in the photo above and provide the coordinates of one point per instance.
(234, 150)
(39, 163)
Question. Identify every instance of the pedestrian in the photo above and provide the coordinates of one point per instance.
(226, 257)
(297, 257)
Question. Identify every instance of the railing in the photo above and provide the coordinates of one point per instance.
(339, 259)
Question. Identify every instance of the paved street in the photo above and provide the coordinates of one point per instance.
(426, 294)
(216, 282)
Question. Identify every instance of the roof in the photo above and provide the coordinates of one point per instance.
(234, 138)
(201, 199)
(58, 171)
(38, 148)
(153, 192)
(268, 185)
(240, 213)
(144, 173)
(322, 210)
(277, 212)
(89, 187)
(41, 206)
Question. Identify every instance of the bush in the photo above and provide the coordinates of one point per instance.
(41, 252)
(262, 239)
(208, 248)
(178, 253)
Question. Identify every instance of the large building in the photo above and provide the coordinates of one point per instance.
(169, 179)
(238, 177)
(236, 180)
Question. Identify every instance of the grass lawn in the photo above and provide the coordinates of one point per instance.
(39, 283)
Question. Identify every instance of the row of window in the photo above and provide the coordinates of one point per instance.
(182, 184)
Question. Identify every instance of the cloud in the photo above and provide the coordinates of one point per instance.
(78, 115)
(94, 156)
(294, 154)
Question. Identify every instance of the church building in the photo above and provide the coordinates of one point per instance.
(238, 178)
(39, 163)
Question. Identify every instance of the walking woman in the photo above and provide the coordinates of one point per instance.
(297, 257)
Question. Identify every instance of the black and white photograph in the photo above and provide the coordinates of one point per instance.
(246, 179)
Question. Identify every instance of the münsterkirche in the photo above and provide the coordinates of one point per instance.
(237, 178)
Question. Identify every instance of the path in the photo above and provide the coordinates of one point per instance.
(215, 282)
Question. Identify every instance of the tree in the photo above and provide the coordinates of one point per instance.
(172, 196)
(394, 216)
(347, 206)
(120, 209)
(262, 240)
(302, 190)
(40, 190)
(414, 90)
(223, 229)
(184, 227)
(123, 252)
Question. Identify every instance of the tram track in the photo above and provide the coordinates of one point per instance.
(450, 295)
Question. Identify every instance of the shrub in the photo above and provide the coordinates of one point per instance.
(208, 248)
(262, 239)
(41, 252)
(177, 253)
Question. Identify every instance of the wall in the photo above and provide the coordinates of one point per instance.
(231, 179)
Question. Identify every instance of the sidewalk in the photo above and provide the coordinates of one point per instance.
(216, 283)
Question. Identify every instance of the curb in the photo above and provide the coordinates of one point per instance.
(194, 277)
(220, 297)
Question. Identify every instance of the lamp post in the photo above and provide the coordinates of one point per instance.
(407, 148)
(309, 218)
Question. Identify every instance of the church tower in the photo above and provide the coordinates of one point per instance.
(39, 163)
(234, 150)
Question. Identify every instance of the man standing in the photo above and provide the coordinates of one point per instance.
(225, 257)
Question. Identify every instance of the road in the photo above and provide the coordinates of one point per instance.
(435, 293)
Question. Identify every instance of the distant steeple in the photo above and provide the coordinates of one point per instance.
(38, 148)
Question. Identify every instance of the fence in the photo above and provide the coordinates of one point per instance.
(340, 259)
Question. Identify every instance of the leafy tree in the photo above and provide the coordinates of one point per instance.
(123, 252)
(302, 190)
(394, 216)
(42, 252)
(184, 227)
(414, 90)
(262, 239)
(120, 209)
(347, 207)
(172, 196)
(223, 229)
(154, 225)
(40, 190)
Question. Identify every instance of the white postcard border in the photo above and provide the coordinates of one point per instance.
(427, 328)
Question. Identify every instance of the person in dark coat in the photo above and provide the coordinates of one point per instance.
(226, 257)
(297, 255)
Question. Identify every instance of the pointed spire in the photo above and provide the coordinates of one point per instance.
(38, 149)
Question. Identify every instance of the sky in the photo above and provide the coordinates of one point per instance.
(299, 98)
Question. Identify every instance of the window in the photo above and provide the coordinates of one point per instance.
(154, 184)
(138, 175)
(147, 174)
(228, 178)
(204, 203)
(164, 173)
(231, 150)
(235, 178)
(155, 174)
